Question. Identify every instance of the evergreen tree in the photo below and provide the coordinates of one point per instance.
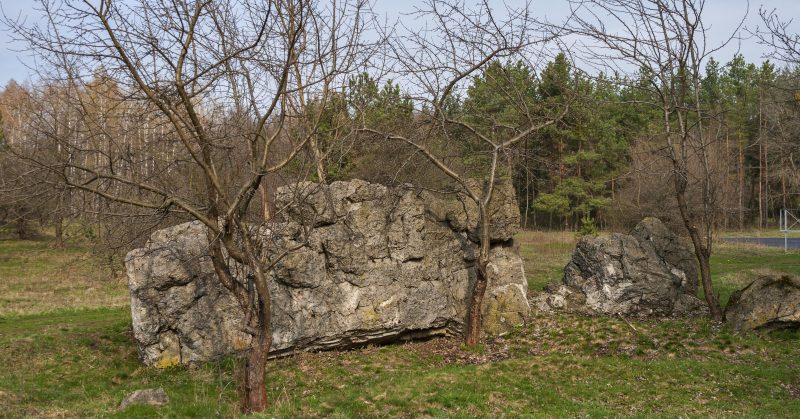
(588, 147)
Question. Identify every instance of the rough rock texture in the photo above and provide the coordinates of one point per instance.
(150, 396)
(653, 234)
(770, 302)
(379, 264)
(180, 311)
(647, 273)
(462, 214)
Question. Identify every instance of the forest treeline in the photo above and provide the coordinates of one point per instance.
(601, 164)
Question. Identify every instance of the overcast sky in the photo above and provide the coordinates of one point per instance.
(721, 16)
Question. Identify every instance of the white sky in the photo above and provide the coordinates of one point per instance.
(721, 16)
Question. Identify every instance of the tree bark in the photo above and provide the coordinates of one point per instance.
(766, 181)
(708, 290)
(473, 335)
(761, 206)
(265, 213)
(22, 226)
(256, 362)
(59, 226)
(255, 389)
(741, 185)
(727, 181)
(783, 184)
(760, 188)
(527, 186)
(701, 253)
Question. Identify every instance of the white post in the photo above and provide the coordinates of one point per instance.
(785, 228)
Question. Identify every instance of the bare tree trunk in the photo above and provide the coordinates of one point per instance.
(22, 229)
(265, 213)
(638, 190)
(760, 187)
(612, 189)
(473, 333)
(319, 160)
(700, 252)
(761, 203)
(59, 226)
(560, 161)
(708, 291)
(255, 372)
(727, 181)
(766, 182)
(527, 186)
(527, 209)
(741, 186)
(783, 185)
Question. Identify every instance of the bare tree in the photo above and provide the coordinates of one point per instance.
(435, 65)
(26, 195)
(218, 82)
(666, 42)
(777, 33)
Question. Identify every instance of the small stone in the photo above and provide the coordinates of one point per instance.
(150, 396)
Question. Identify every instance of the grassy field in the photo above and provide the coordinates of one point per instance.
(771, 232)
(66, 351)
(36, 278)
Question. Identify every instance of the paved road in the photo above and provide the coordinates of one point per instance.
(794, 243)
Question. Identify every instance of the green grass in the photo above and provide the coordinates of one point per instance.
(733, 265)
(767, 232)
(76, 358)
(81, 363)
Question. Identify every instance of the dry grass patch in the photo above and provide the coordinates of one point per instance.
(35, 278)
(545, 254)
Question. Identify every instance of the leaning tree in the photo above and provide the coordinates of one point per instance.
(211, 101)
(665, 43)
(780, 35)
(435, 65)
